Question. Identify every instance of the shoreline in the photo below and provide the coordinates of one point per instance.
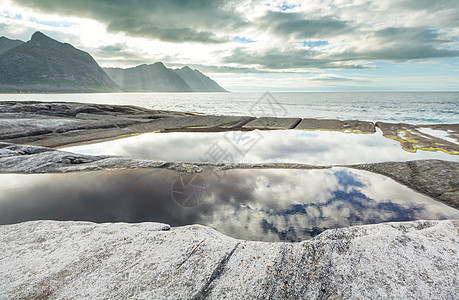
(34, 128)
(57, 259)
(59, 124)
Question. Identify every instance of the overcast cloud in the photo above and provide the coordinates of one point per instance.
(241, 36)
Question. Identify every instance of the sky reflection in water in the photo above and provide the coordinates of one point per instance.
(267, 205)
(295, 146)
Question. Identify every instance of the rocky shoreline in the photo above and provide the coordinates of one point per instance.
(55, 124)
(61, 260)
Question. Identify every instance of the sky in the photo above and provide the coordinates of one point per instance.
(316, 45)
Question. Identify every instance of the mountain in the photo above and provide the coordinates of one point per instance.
(46, 65)
(7, 44)
(197, 81)
(148, 78)
(158, 78)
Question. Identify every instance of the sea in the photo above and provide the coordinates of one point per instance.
(408, 107)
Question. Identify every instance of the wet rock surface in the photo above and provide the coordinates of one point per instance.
(347, 126)
(436, 178)
(55, 124)
(412, 137)
(62, 260)
(272, 123)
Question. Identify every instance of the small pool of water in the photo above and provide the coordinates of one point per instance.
(265, 205)
(282, 146)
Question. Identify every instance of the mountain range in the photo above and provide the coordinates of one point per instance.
(157, 78)
(46, 65)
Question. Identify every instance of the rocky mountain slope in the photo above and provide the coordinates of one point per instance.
(7, 44)
(46, 65)
(197, 81)
(157, 78)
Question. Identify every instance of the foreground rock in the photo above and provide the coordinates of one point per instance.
(414, 137)
(75, 260)
(55, 124)
(272, 123)
(436, 178)
(354, 126)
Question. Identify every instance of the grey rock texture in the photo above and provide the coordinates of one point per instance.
(26, 159)
(412, 138)
(54, 124)
(272, 123)
(80, 260)
(436, 178)
(337, 125)
(46, 65)
(58, 123)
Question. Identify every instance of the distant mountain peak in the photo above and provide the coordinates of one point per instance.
(158, 78)
(38, 35)
(42, 39)
(7, 44)
(159, 64)
(43, 64)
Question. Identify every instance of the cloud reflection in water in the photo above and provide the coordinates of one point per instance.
(296, 146)
(267, 205)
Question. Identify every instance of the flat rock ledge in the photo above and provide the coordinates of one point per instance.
(81, 260)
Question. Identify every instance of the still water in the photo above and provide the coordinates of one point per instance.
(282, 146)
(265, 205)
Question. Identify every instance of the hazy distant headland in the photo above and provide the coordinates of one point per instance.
(44, 65)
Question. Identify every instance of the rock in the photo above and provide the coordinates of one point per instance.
(272, 123)
(354, 126)
(411, 137)
(436, 178)
(62, 260)
(57, 124)
(203, 123)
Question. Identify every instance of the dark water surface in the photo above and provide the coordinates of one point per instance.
(266, 205)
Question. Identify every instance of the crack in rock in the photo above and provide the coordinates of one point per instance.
(219, 270)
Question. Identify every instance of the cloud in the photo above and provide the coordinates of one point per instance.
(292, 58)
(242, 36)
(336, 78)
(388, 44)
(299, 26)
(204, 21)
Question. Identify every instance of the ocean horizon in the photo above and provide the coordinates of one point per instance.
(397, 107)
